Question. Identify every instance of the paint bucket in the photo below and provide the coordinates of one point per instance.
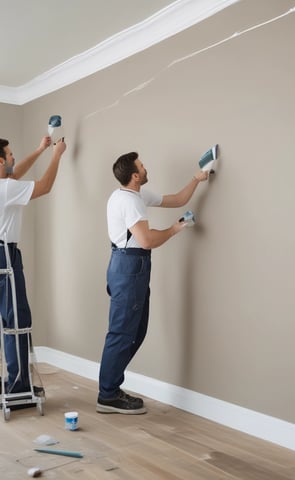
(71, 420)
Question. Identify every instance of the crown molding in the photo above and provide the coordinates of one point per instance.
(169, 21)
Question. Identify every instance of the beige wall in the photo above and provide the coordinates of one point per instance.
(12, 128)
(222, 302)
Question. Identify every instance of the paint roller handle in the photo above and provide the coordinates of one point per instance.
(178, 227)
(62, 139)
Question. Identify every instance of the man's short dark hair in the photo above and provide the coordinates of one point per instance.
(3, 144)
(124, 167)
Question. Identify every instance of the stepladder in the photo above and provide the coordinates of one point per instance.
(14, 340)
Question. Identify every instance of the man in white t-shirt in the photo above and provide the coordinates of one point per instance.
(14, 195)
(128, 275)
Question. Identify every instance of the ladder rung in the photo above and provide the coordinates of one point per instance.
(16, 331)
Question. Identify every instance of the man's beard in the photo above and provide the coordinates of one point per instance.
(9, 169)
(144, 180)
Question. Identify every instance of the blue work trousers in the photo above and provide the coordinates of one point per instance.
(15, 365)
(128, 279)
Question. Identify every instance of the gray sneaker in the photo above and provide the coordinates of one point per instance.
(123, 403)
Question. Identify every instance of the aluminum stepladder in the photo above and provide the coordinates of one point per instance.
(8, 400)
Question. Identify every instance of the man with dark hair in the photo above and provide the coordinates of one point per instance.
(128, 275)
(14, 195)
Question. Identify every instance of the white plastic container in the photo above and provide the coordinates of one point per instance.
(71, 420)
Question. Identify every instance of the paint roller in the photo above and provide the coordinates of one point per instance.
(55, 129)
(207, 162)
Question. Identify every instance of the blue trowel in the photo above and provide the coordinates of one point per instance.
(208, 160)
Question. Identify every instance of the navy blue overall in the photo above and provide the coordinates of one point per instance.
(24, 320)
(128, 279)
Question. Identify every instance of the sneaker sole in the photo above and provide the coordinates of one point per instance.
(109, 409)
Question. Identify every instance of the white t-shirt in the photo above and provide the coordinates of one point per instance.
(124, 209)
(14, 195)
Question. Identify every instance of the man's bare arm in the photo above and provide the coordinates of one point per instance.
(21, 168)
(45, 184)
(151, 238)
(183, 196)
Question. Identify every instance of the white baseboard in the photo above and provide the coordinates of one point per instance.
(247, 421)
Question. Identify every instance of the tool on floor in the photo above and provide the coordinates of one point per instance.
(207, 162)
(66, 453)
(8, 399)
(34, 472)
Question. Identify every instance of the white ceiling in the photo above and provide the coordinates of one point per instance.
(37, 35)
(47, 44)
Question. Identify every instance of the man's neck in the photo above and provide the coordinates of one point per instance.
(129, 189)
(133, 187)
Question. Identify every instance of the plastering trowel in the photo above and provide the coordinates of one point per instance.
(55, 129)
(208, 160)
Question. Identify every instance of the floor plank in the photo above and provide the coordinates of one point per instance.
(164, 444)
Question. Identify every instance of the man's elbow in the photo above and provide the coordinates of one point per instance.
(146, 245)
(40, 191)
(47, 189)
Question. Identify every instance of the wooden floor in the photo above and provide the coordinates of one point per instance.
(164, 444)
